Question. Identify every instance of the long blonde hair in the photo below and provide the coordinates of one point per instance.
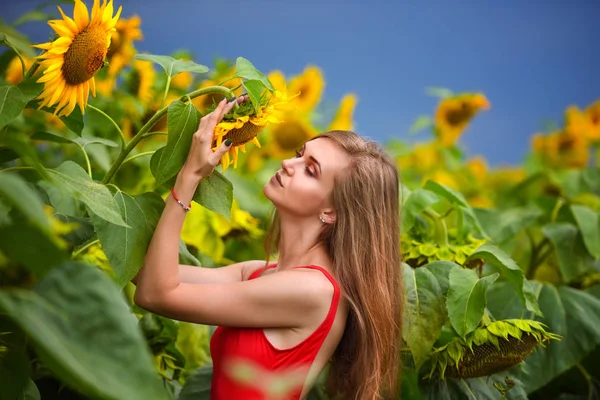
(364, 246)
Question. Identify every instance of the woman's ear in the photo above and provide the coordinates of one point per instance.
(329, 216)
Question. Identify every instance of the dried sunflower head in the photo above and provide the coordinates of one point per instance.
(485, 351)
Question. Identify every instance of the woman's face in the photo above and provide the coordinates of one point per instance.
(304, 183)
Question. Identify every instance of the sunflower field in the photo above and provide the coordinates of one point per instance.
(501, 266)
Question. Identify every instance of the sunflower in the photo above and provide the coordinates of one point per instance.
(210, 100)
(14, 71)
(72, 60)
(565, 148)
(309, 87)
(244, 124)
(454, 114)
(289, 135)
(343, 119)
(592, 112)
(477, 167)
(277, 79)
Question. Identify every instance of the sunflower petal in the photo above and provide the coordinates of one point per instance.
(256, 142)
(43, 46)
(61, 28)
(235, 156)
(69, 22)
(72, 102)
(56, 95)
(49, 76)
(113, 21)
(96, 16)
(93, 86)
(66, 94)
(80, 15)
(108, 11)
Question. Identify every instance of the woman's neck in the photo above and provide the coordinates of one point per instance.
(297, 244)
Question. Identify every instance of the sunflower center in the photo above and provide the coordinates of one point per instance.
(243, 135)
(85, 55)
(290, 135)
(459, 116)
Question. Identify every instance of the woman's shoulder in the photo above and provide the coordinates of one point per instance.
(252, 266)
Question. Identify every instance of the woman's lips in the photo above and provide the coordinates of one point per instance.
(278, 179)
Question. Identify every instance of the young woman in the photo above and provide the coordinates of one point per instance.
(332, 299)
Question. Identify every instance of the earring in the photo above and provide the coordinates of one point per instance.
(322, 218)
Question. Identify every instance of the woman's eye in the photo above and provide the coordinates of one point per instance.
(298, 155)
(310, 171)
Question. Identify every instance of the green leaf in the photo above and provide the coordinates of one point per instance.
(78, 184)
(172, 66)
(414, 205)
(503, 304)
(185, 257)
(126, 248)
(254, 89)
(73, 121)
(466, 299)
(442, 93)
(422, 122)
(215, 192)
(503, 225)
(34, 15)
(12, 102)
(81, 327)
(14, 191)
(511, 272)
(14, 363)
(183, 120)
(15, 39)
(424, 312)
(50, 137)
(34, 248)
(573, 258)
(441, 270)
(197, 386)
(573, 314)
(456, 198)
(84, 141)
(30, 88)
(245, 69)
(589, 225)
(22, 145)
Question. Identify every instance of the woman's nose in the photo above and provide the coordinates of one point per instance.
(287, 166)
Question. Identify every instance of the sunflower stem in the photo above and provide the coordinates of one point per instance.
(155, 118)
(167, 86)
(149, 134)
(84, 247)
(138, 155)
(16, 168)
(87, 159)
(31, 70)
(112, 121)
(440, 230)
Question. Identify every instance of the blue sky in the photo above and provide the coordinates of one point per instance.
(531, 58)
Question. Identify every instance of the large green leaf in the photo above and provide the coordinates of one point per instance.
(37, 250)
(30, 88)
(77, 183)
(472, 389)
(424, 312)
(573, 314)
(458, 200)
(14, 363)
(466, 299)
(416, 202)
(183, 120)
(254, 88)
(73, 121)
(502, 225)
(573, 259)
(80, 326)
(589, 224)
(511, 272)
(26, 150)
(126, 248)
(215, 192)
(245, 69)
(441, 270)
(173, 66)
(503, 304)
(12, 102)
(15, 192)
(197, 386)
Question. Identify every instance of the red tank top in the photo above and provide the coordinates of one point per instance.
(247, 366)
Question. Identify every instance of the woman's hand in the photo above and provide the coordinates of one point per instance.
(201, 160)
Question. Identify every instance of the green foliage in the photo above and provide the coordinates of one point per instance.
(172, 66)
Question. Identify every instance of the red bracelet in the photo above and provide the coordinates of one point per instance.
(186, 208)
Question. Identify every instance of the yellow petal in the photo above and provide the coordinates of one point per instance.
(93, 86)
(235, 156)
(56, 95)
(256, 142)
(86, 91)
(80, 15)
(96, 16)
(64, 98)
(72, 102)
(243, 147)
(69, 23)
(113, 22)
(50, 76)
(225, 161)
(43, 46)
(58, 50)
(108, 11)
